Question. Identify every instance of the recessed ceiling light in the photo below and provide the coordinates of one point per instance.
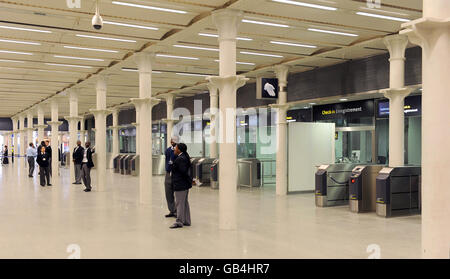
(15, 52)
(149, 7)
(106, 38)
(176, 57)
(24, 29)
(68, 65)
(92, 49)
(265, 23)
(78, 58)
(241, 63)
(343, 100)
(195, 75)
(19, 42)
(130, 25)
(194, 47)
(333, 32)
(306, 5)
(383, 11)
(312, 103)
(383, 17)
(261, 54)
(11, 61)
(136, 70)
(292, 44)
(217, 36)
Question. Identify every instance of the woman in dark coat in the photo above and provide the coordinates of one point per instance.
(5, 156)
(182, 182)
(43, 160)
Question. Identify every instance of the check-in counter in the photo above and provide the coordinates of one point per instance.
(249, 172)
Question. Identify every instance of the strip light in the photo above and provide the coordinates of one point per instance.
(149, 7)
(383, 16)
(241, 63)
(333, 32)
(217, 36)
(292, 44)
(105, 38)
(92, 49)
(68, 65)
(130, 25)
(261, 54)
(194, 75)
(265, 23)
(306, 5)
(176, 57)
(19, 42)
(11, 61)
(15, 52)
(194, 47)
(136, 70)
(50, 71)
(78, 58)
(24, 29)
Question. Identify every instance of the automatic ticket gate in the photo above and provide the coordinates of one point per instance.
(332, 183)
(124, 164)
(194, 162)
(134, 165)
(214, 174)
(362, 188)
(249, 172)
(116, 163)
(203, 171)
(398, 191)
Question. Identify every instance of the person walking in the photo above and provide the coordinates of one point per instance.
(182, 182)
(42, 160)
(78, 153)
(31, 157)
(86, 165)
(170, 198)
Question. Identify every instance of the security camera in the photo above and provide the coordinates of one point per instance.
(97, 20)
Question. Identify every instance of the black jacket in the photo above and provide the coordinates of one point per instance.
(180, 173)
(78, 154)
(90, 163)
(43, 159)
(48, 150)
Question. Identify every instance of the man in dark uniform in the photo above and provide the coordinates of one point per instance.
(170, 158)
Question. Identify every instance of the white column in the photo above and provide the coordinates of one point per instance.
(169, 120)
(40, 126)
(213, 110)
(115, 135)
(281, 155)
(100, 114)
(82, 132)
(14, 148)
(73, 120)
(143, 106)
(396, 94)
(54, 142)
(30, 127)
(136, 125)
(432, 33)
(227, 23)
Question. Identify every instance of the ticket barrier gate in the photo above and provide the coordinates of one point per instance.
(214, 175)
(123, 162)
(249, 172)
(203, 171)
(192, 170)
(332, 184)
(134, 165)
(398, 191)
(128, 164)
(116, 163)
(362, 188)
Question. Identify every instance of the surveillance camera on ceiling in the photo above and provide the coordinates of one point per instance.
(97, 20)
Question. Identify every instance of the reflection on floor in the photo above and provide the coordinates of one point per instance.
(44, 222)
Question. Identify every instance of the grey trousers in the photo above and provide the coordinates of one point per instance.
(183, 211)
(77, 173)
(170, 198)
(31, 166)
(86, 176)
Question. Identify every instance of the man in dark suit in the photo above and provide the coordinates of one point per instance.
(86, 165)
(48, 149)
(182, 182)
(170, 158)
(78, 153)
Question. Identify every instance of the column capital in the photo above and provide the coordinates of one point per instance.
(73, 118)
(281, 71)
(138, 102)
(96, 112)
(115, 127)
(144, 60)
(396, 44)
(43, 126)
(421, 31)
(212, 88)
(52, 123)
(221, 82)
(227, 22)
(396, 92)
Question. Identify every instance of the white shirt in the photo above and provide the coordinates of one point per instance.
(85, 160)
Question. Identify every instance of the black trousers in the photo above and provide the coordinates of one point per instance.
(44, 175)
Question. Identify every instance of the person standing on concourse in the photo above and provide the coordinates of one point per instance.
(170, 158)
(43, 162)
(78, 153)
(86, 166)
(31, 157)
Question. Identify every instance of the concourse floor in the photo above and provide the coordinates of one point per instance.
(39, 222)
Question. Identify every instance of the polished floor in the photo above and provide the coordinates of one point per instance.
(46, 222)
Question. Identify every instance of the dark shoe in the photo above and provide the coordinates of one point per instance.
(43, 185)
(87, 190)
(30, 176)
(187, 225)
(49, 184)
(176, 226)
(170, 215)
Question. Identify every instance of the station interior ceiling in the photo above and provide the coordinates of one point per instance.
(46, 47)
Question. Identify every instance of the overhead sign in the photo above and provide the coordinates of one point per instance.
(413, 107)
(267, 88)
(343, 110)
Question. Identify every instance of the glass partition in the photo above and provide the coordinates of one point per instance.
(127, 139)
